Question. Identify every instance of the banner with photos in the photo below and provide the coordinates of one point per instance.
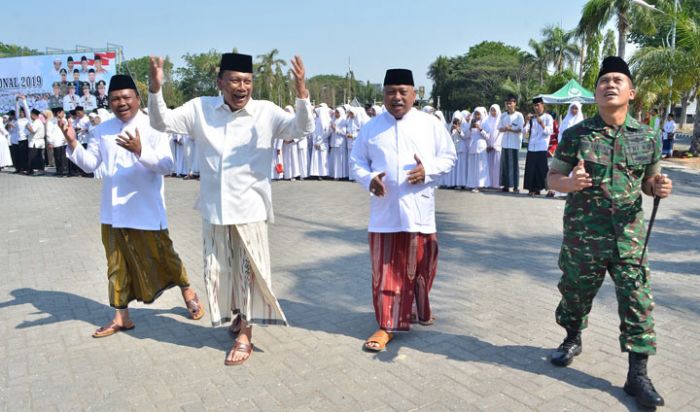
(45, 80)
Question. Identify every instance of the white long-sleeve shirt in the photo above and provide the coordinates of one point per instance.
(54, 135)
(37, 134)
(539, 138)
(512, 140)
(234, 151)
(669, 127)
(132, 188)
(389, 145)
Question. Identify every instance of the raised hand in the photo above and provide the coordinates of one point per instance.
(131, 142)
(579, 179)
(155, 76)
(376, 186)
(417, 174)
(68, 132)
(662, 186)
(299, 79)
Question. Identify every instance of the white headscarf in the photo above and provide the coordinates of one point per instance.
(428, 109)
(289, 109)
(570, 119)
(323, 120)
(377, 110)
(491, 126)
(493, 121)
(482, 112)
(440, 116)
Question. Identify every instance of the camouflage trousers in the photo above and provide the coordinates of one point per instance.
(582, 277)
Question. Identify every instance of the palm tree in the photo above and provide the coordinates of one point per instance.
(268, 66)
(654, 64)
(540, 57)
(439, 73)
(597, 13)
(559, 46)
(591, 65)
(609, 44)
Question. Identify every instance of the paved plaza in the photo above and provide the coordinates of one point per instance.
(494, 297)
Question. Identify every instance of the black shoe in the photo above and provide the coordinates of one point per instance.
(568, 349)
(638, 383)
(643, 391)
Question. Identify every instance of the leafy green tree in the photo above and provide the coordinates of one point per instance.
(439, 73)
(198, 76)
(12, 50)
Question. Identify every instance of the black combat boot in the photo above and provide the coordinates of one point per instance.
(638, 383)
(571, 347)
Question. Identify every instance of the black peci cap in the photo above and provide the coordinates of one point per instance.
(236, 62)
(398, 76)
(614, 64)
(121, 82)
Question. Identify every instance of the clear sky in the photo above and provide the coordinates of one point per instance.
(373, 35)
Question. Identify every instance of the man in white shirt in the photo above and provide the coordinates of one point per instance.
(19, 135)
(234, 136)
(511, 125)
(55, 138)
(141, 260)
(668, 134)
(81, 124)
(398, 157)
(36, 141)
(536, 167)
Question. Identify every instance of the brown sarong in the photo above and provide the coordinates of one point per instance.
(141, 264)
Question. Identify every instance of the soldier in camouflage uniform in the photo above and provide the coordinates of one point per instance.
(605, 163)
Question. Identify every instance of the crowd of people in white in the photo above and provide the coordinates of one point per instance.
(487, 143)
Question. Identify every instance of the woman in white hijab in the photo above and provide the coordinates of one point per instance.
(493, 148)
(477, 168)
(353, 122)
(290, 154)
(338, 157)
(461, 139)
(441, 118)
(321, 136)
(573, 116)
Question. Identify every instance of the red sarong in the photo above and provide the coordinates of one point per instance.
(403, 269)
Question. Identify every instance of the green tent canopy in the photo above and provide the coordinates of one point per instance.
(571, 92)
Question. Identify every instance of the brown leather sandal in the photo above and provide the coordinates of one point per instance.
(377, 342)
(111, 329)
(239, 347)
(195, 308)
